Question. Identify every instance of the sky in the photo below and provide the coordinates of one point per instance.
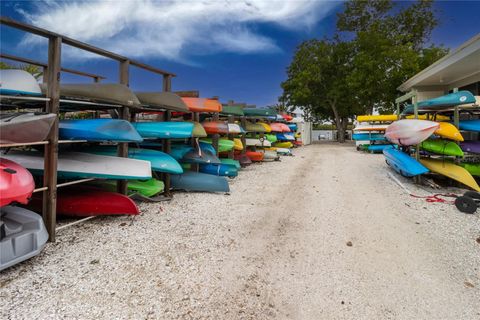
(237, 50)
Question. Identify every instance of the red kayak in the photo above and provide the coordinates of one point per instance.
(89, 201)
(297, 143)
(255, 156)
(279, 127)
(287, 117)
(213, 127)
(243, 159)
(16, 183)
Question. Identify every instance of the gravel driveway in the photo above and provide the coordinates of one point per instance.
(325, 234)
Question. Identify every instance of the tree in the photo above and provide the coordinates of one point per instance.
(317, 81)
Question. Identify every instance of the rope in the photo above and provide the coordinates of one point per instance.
(436, 197)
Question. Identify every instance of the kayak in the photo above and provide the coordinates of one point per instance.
(284, 144)
(16, 183)
(238, 145)
(215, 127)
(270, 155)
(378, 148)
(255, 156)
(15, 82)
(377, 118)
(368, 136)
(470, 146)
(198, 181)
(164, 130)
(259, 112)
(232, 110)
(243, 159)
(234, 128)
(257, 142)
(156, 101)
(279, 127)
(24, 127)
(449, 100)
(254, 127)
(470, 125)
(79, 165)
(283, 151)
(472, 167)
(403, 163)
(202, 104)
(451, 171)
(114, 130)
(200, 156)
(292, 126)
(287, 136)
(231, 162)
(287, 117)
(440, 146)
(370, 128)
(271, 137)
(198, 131)
(83, 201)
(410, 132)
(147, 188)
(448, 131)
(159, 161)
(224, 145)
(219, 169)
(266, 126)
(436, 117)
(23, 235)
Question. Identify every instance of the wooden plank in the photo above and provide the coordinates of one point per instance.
(51, 149)
(122, 149)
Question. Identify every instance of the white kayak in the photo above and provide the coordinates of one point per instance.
(25, 127)
(410, 132)
(284, 151)
(234, 128)
(257, 142)
(270, 155)
(78, 165)
(16, 82)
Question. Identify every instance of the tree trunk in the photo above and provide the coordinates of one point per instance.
(339, 124)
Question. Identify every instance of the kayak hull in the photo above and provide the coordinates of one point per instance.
(403, 163)
(147, 188)
(410, 132)
(448, 131)
(164, 130)
(25, 127)
(114, 130)
(470, 146)
(219, 169)
(440, 146)
(470, 125)
(450, 170)
(200, 182)
(16, 183)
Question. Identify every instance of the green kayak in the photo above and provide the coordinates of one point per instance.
(440, 146)
(254, 127)
(146, 188)
(232, 110)
(224, 145)
(472, 167)
(231, 162)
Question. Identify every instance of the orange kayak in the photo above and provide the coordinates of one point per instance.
(255, 156)
(213, 127)
(202, 105)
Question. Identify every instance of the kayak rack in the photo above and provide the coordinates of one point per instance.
(51, 104)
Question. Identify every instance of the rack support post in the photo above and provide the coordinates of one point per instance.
(122, 150)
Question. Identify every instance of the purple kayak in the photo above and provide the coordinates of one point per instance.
(470, 146)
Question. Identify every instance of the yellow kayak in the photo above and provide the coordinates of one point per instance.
(284, 144)
(298, 135)
(266, 126)
(449, 131)
(198, 131)
(394, 117)
(439, 117)
(238, 145)
(451, 170)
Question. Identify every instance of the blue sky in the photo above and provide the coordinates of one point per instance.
(236, 50)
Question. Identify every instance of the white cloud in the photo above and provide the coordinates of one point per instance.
(175, 29)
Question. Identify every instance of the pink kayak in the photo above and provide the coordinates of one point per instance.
(410, 132)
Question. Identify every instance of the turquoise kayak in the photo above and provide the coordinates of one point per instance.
(197, 181)
(160, 161)
(231, 162)
(449, 100)
(188, 154)
(98, 130)
(368, 136)
(219, 169)
(164, 130)
(403, 163)
(378, 148)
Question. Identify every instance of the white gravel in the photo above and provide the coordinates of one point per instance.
(276, 248)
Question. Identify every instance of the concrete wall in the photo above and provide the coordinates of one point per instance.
(305, 129)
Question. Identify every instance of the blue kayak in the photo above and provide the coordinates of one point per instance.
(449, 100)
(98, 130)
(197, 181)
(286, 136)
(164, 130)
(403, 163)
(188, 154)
(292, 126)
(369, 136)
(378, 148)
(160, 161)
(219, 169)
(470, 125)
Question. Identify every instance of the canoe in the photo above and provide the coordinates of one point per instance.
(284, 144)
(287, 136)
(224, 145)
(159, 161)
(164, 130)
(292, 126)
(259, 112)
(370, 128)
(147, 188)
(255, 156)
(451, 171)
(266, 126)
(219, 170)
(448, 131)
(377, 118)
(472, 167)
(198, 181)
(202, 104)
(470, 146)
(161, 100)
(257, 142)
(15, 82)
(234, 128)
(16, 183)
(440, 146)
(23, 235)
(243, 159)
(403, 163)
(368, 136)
(231, 162)
(410, 132)
(232, 110)
(24, 127)
(78, 165)
(254, 127)
(470, 125)
(86, 201)
(198, 131)
(114, 130)
(215, 127)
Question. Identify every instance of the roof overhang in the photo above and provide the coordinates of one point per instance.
(462, 63)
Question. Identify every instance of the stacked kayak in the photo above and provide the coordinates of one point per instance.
(164, 130)
(99, 130)
(25, 127)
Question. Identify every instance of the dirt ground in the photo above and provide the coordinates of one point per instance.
(325, 234)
